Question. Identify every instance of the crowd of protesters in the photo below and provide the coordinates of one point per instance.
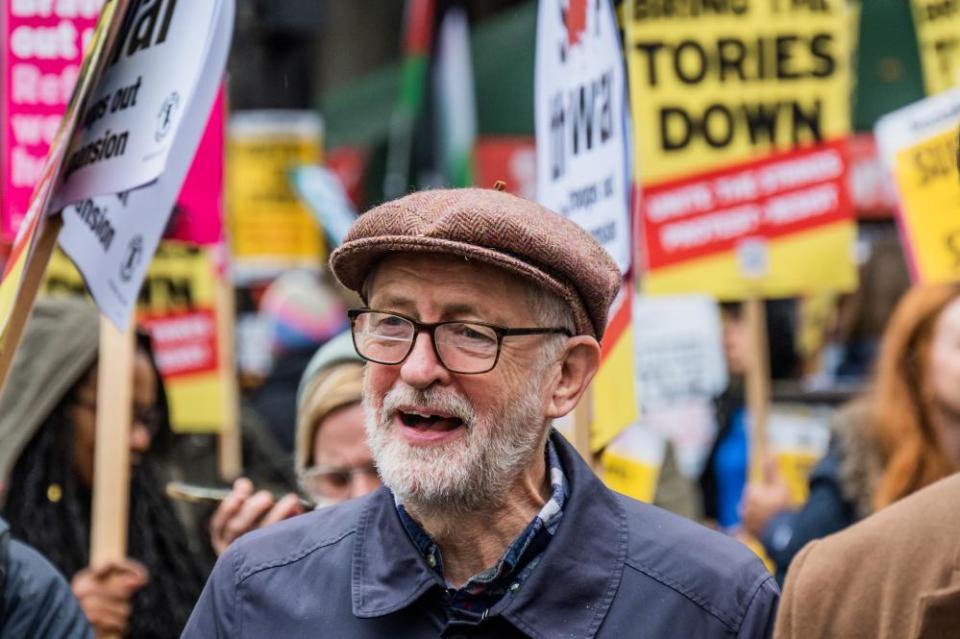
(418, 430)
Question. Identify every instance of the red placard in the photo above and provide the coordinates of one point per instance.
(713, 212)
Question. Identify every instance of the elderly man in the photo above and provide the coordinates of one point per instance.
(482, 320)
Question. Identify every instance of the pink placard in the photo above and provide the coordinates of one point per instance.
(41, 47)
(198, 217)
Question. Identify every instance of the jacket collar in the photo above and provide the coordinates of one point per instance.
(583, 562)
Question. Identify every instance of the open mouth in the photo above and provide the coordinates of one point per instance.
(424, 420)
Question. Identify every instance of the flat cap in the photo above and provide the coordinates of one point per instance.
(491, 227)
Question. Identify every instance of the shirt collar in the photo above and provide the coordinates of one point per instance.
(516, 554)
(583, 563)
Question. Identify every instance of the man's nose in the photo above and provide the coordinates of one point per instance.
(422, 368)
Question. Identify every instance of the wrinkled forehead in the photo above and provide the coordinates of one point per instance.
(447, 285)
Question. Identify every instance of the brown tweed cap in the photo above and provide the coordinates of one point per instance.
(491, 227)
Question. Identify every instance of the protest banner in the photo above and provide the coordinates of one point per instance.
(271, 230)
(740, 113)
(798, 437)
(632, 462)
(918, 145)
(111, 237)
(937, 23)
(511, 159)
(40, 55)
(324, 194)
(611, 400)
(580, 117)
(127, 131)
(679, 352)
(37, 235)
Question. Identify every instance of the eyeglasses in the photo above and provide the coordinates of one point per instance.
(326, 482)
(467, 348)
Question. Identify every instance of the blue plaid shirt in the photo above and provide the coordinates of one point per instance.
(472, 601)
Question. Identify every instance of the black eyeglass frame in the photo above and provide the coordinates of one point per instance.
(431, 327)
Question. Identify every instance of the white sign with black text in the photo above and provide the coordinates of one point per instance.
(581, 121)
(112, 238)
(126, 134)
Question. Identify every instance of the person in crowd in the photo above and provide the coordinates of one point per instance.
(901, 435)
(724, 474)
(895, 574)
(301, 314)
(35, 599)
(482, 325)
(48, 426)
(332, 459)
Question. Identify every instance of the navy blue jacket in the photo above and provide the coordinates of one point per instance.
(37, 601)
(616, 568)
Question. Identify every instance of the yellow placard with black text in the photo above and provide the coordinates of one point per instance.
(937, 23)
(929, 187)
(720, 86)
(177, 306)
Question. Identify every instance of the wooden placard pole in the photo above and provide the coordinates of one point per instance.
(111, 466)
(229, 442)
(582, 422)
(34, 270)
(758, 384)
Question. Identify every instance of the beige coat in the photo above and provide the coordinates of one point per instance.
(894, 575)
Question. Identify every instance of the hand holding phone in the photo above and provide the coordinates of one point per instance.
(241, 509)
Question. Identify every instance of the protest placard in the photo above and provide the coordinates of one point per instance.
(631, 463)
(798, 437)
(177, 306)
(937, 23)
(739, 115)
(581, 121)
(112, 237)
(918, 145)
(40, 55)
(270, 228)
(128, 130)
(679, 349)
(37, 235)
(324, 194)
(612, 401)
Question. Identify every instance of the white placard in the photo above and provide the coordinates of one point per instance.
(128, 130)
(112, 238)
(580, 115)
(679, 349)
(915, 122)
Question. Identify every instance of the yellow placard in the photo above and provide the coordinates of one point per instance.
(715, 84)
(630, 477)
(178, 306)
(800, 261)
(270, 229)
(926, 176)
(631, 464)
(938, 34)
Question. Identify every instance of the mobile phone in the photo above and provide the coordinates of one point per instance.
(197, 494)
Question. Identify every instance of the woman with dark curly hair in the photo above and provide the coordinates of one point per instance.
(47, 430)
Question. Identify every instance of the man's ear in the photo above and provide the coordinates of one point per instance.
(579, 364)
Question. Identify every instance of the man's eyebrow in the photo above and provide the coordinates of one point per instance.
(393, 301)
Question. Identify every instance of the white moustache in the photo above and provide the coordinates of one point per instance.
(448, 402)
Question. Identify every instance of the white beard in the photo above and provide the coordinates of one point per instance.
(468, 474)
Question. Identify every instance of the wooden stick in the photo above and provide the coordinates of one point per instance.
(34, 270)
(758, 384)
(582, 421)
(229, 448)
(111, 466)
